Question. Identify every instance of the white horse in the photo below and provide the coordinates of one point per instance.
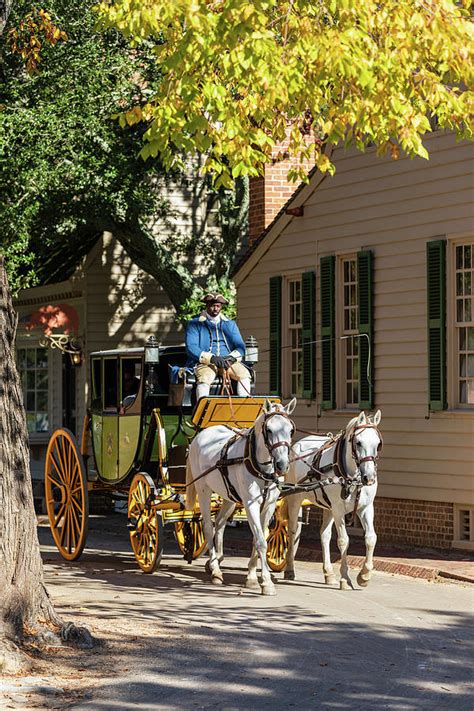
(241, 467)
(352, 457)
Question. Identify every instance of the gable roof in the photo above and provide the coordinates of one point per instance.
(59, 265)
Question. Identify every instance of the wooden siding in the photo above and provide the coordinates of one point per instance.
(392, 208)
(124, 305)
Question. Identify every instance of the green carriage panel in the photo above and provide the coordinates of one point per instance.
(109, 468)
(128, 439)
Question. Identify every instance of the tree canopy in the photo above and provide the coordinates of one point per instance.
(69, 171)
(237, 75)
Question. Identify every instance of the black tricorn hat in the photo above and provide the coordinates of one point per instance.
(214, 299)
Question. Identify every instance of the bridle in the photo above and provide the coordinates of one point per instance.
(265, 432)
(369, 458)
(253, 466)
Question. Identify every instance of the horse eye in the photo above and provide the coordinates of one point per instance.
(358, 443)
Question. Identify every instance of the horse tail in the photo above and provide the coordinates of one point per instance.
(190, 487)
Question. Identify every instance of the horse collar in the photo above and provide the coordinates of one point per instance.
(251, 462)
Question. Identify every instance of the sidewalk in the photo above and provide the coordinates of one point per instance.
(427, 563)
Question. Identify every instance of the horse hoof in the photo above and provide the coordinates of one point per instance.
(268, 589)
(217, 580)
(330, 579)
(289, 575)
(207, 567)
(344, 585)
(252, 584)
(362, 580)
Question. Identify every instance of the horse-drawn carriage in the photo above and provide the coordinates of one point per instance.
(134, 446)
(135, 443)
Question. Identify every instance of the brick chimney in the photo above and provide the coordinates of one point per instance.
(270, 192)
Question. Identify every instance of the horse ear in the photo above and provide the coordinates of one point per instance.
(361, 420)
(291, 406)
(377, 417)
(267, 406)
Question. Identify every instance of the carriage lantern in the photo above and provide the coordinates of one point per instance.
(152, 358)
(251, 350)
(152, 351)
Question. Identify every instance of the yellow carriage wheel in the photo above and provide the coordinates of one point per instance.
(277, 541)
(67, 499)
(190, 537)
(145, 524)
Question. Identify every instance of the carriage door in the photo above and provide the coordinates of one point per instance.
(96, 412)
(131, 383)
(109, 469)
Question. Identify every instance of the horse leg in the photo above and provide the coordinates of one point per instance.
(343, 544)
(294, 534)
(222, 517)
(259, 548)
(366, 516)
(212, 566)
(325, 532)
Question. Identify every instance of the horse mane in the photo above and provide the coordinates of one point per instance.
(351, 423)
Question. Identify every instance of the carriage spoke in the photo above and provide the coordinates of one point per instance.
(76, 527)
(68, 536)
(76, 475)
(62, 467)
(58, 469)
(77, 504)
(59, 515)
(66, 452)
(64, 526)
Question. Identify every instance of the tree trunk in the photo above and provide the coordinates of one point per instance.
(5, 9)
(26, 610)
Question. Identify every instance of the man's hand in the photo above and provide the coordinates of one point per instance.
(219, 362)
(230, 360)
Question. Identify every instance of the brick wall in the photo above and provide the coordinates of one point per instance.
(404, 521)
(418, 523)
(270, 192)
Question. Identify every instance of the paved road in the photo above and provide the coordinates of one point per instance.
(176, 642)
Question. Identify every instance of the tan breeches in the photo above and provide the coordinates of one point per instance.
(207, 373)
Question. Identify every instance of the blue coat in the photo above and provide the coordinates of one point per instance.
(198, 339)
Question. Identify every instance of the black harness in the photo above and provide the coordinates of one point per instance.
(253, 466)
(348, 483)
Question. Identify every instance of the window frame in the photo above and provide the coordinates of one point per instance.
(341, 344)
(39, 437)
(287, 351)
(452, 354)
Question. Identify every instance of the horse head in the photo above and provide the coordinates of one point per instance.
(366, 443)
(276, 429)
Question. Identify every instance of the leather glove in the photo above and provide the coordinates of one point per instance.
(219, 362)
(230, 360)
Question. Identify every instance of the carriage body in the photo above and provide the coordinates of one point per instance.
(133, 447)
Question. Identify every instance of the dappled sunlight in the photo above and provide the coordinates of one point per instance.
(172, 640)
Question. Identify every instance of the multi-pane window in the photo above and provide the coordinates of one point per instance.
(464, 321)
(350, 328)
(294, 333)
(33, 367)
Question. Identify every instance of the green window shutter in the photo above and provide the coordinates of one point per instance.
(436, 298)
(366, 347)
(275, 336)
(309, 334)
(328, 360)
